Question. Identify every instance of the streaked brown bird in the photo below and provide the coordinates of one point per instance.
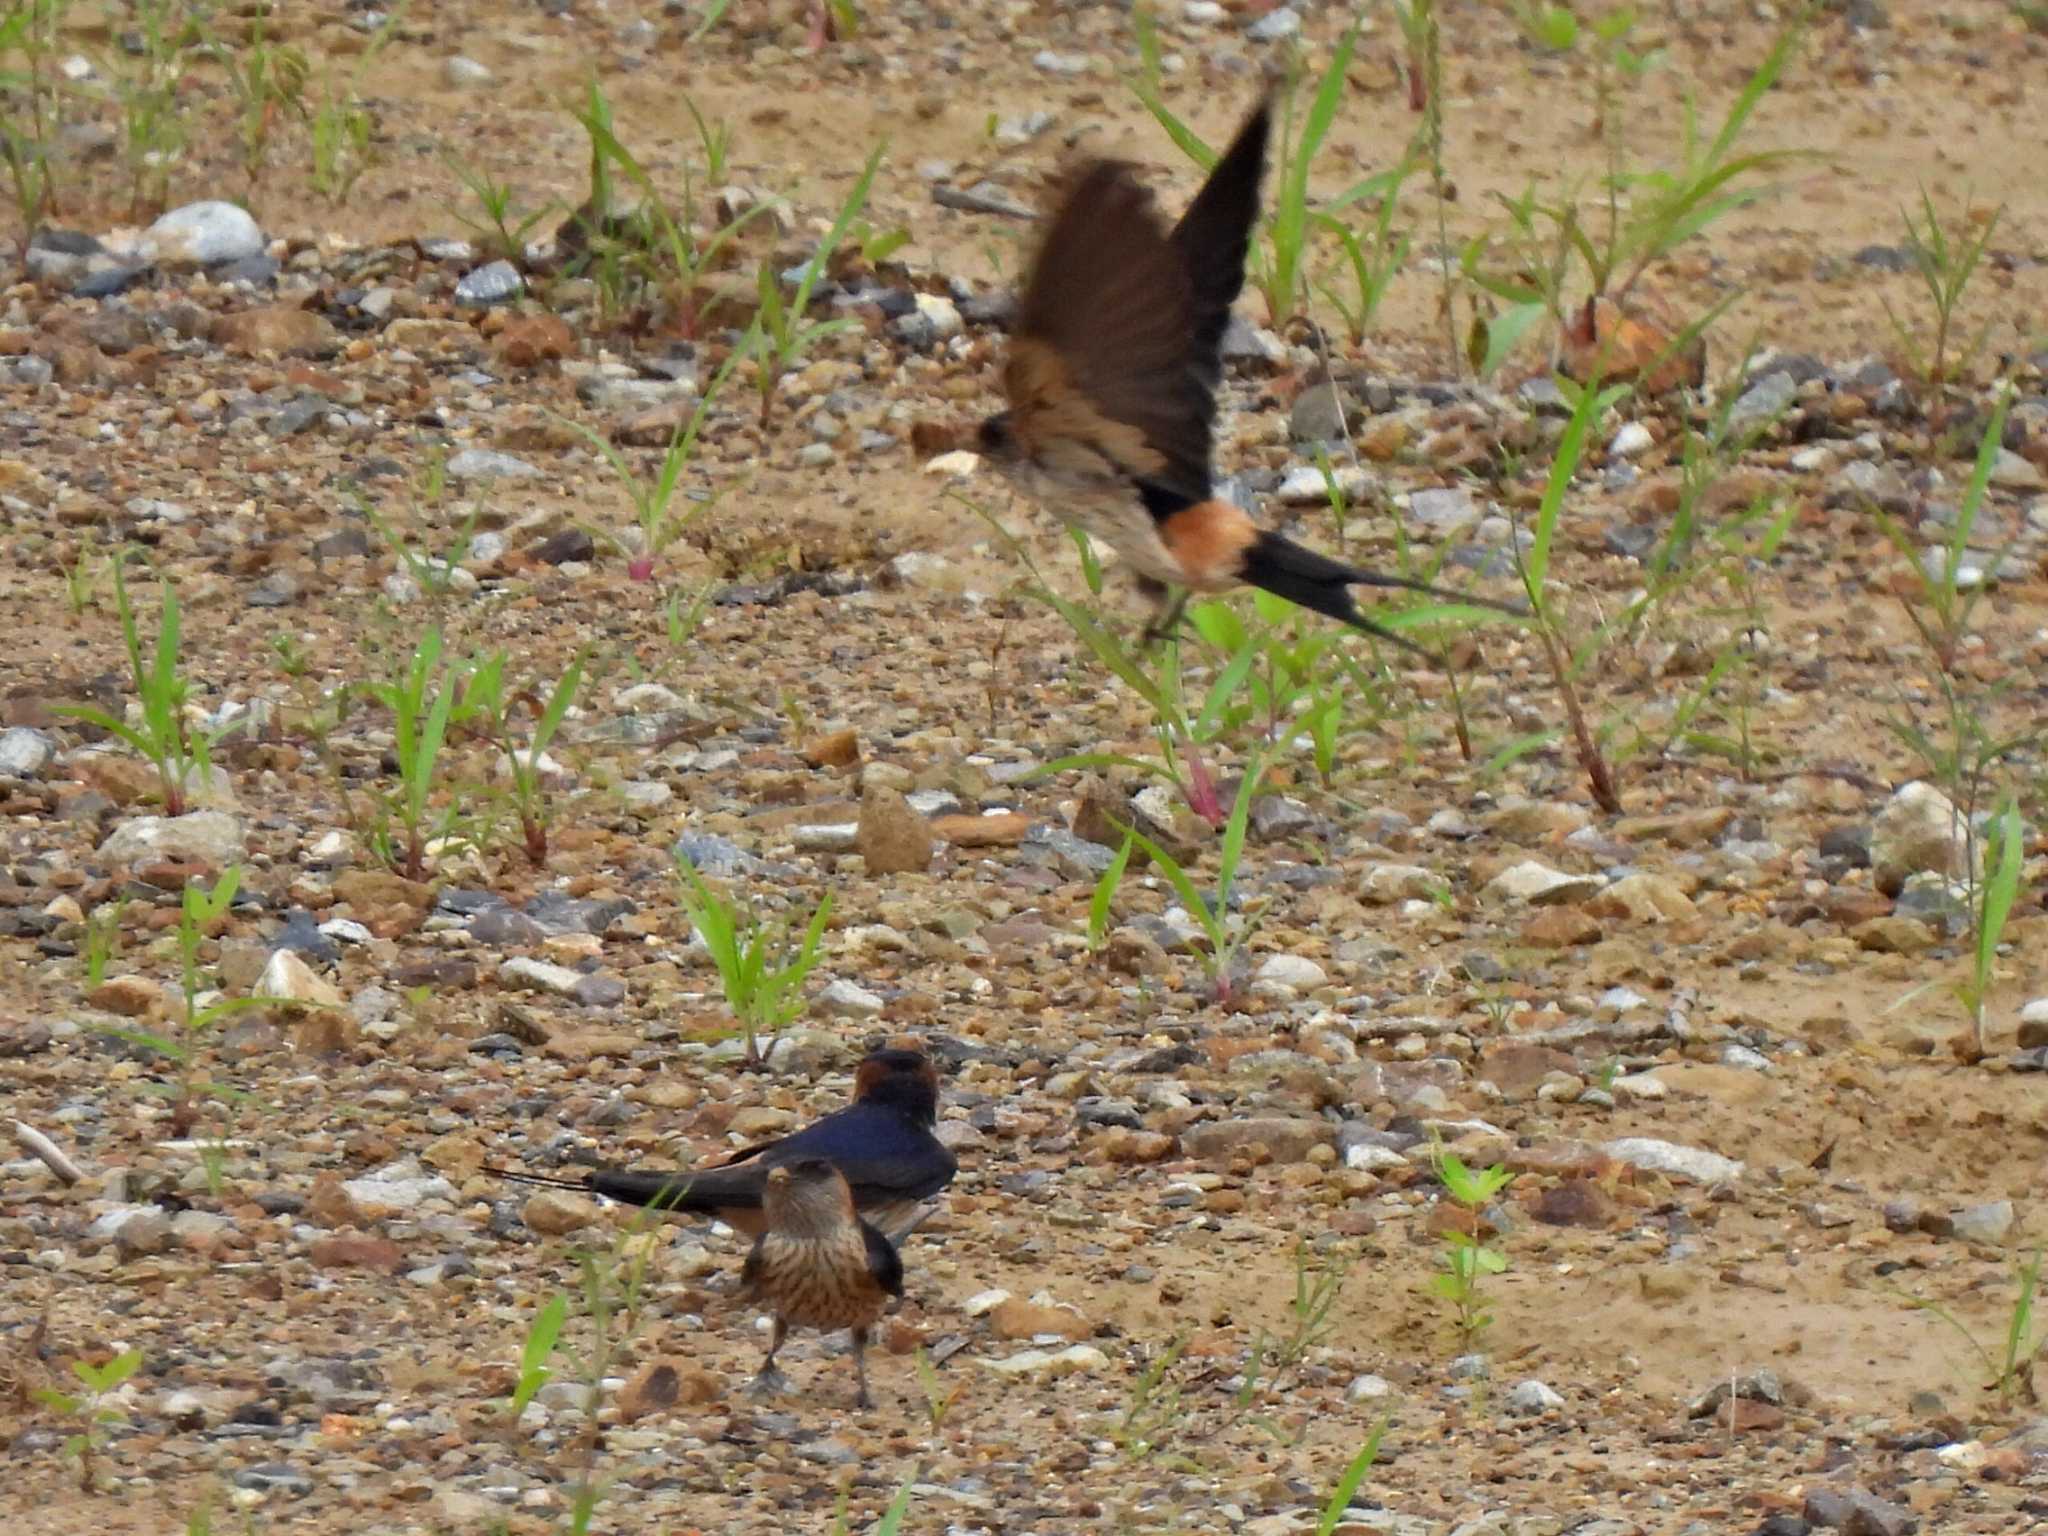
(1111, 382)
(816, 1264)
(883, 1143)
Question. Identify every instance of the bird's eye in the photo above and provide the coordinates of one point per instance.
(994, 434)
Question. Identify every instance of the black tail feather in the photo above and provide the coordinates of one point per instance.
(1315, 581)
(546, 1181)
(663, 1191)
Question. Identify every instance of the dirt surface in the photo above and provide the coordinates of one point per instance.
(1753, 961)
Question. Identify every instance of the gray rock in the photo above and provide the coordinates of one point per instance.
(205, 837)
(1762, 403)
(1540, 885)
(24, 752)
(1318, 415)
(1861, 483)
(490, 284)
(1275, 26)
(1666, 1157)
(843, 999)
(1857, 1513)
(485, 464)
(521, 974)
(710, 854)
(400, 1185)
(1988, 1224)
(205, 234)
(2034, 1024)
(463, 72)
(1529, 1398)
(1918, 829)
(1296, 971)
(1443, 511)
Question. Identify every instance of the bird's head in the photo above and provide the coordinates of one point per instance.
(901, 1078)
(806, 1198)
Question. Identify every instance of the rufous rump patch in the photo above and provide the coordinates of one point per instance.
(1208, 542)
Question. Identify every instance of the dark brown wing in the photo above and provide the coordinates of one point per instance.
(1215, 235)
(1103, 354)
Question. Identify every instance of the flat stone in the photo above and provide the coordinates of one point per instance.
(1288, 1140)
(1666, 1157)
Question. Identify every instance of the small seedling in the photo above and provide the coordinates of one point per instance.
(267, 81)
(763, 978)
(891, 1522)
(1951, 600)
(1348, 1485)
(502, 229)
(1534, 566)
(658, 524)
(541, 1337)
(162, 735)
(937, 1401)
(2011, 1366)
(424, 702)
(1996, 893)
(1099, 905)
(485, 699)
(1226, 935)
(88, 1407)
(781, 334)
(1465, 1261)
(102, 939)
(1944, 261)
(1153, 1413)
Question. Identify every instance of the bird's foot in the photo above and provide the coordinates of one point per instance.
(769, 1382)
(862, 1401)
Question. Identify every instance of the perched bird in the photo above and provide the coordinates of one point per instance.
(883, 1143)
(817, 1264)
(1111, 380)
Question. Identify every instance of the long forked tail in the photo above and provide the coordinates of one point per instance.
(1287, 569)
(546, 1181)
(663, 1191)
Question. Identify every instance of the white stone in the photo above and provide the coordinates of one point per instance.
(1668, 1157)
(205, 234)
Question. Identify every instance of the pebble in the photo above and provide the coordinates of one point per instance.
(463, 72)
(1691, 1163)
(892, 838)
(1294, 971)
(212, 838)
(25, 752)
(1275, 26)
(1528, 1398)
(1919, 829)
(843, 999)
(205, 234)
(493, 283)
(1048, 1364)
(522, 974)
(486, 464)
(1988, 1224)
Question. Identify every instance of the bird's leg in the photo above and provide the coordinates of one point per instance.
(860, 1368)
(1166, 619)
(768, 1381)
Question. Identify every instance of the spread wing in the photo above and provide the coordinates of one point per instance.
(1102, 359)
(1215, 235)
(1116, 350)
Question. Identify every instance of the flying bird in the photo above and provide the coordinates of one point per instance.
(883, 1144)
(817, 1264)
(1111, 380)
